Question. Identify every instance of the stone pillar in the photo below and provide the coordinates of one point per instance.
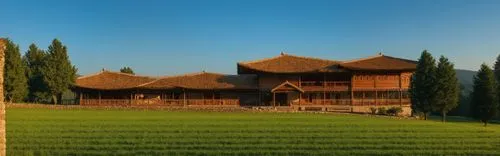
(3, 141)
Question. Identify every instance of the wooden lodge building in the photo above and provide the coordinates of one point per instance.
(284, 81)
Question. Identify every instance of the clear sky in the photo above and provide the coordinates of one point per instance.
(173, 37)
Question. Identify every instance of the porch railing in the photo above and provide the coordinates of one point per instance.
(355, 102)
(165, 102)
(325, 84)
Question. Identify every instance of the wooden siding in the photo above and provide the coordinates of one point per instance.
(378, 81)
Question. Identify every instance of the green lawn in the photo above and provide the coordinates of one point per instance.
(137, 132)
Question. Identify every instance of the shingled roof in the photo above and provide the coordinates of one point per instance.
(107, 80)
(285, 63)
(380, 62)
(205, 80)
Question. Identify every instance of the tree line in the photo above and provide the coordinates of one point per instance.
(434, 87)
(40, 76)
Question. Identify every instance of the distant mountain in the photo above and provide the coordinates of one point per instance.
(466, 78)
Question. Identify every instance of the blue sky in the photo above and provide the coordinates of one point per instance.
(174, 37)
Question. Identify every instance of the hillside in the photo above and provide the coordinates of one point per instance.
(466, 78)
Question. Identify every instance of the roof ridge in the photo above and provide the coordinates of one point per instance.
(290, 55)
(90, 75)
(262, 60)
(189, 74)
(364, 58)
(113, 72)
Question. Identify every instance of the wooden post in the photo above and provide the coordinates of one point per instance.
(376, 97)
(400, 98)
(184, 97)
(274, 99)
(363, 99)
(260, 98)
(203, 98)
(351, 88)
(300, 81)
(81, 98)
(300, 97)
(99, 101)
(387, 97)
(324, 88)
(131, 98)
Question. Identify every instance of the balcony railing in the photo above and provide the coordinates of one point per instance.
(157, 102)
(355, 102)
(325, 84)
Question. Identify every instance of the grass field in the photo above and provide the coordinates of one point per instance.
(136, 132)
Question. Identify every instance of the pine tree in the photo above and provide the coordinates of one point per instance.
(448, 91)
(34, 60)
(497, 75)
(422, 85)
(484, 95)
(127, 70)
(58, 73)
(496, 68)
(15, 81)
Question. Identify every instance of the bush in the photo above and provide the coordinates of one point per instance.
(394, 111)
(373, 110)
(382, 111)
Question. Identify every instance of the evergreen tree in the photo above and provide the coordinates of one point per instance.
(127, 70)
(497, 69)
(422, 85)
(497, 75)
(58, 73)
(15, 81)
(448, 91)
(484, 96)
(34, 60)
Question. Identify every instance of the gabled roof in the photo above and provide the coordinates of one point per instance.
(287, 85)
(205, 80)
(380, 62)
(107, 80)
(285, 63)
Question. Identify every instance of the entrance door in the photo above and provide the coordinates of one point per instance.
(282, 99)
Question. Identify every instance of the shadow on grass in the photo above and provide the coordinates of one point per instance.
(460, 119)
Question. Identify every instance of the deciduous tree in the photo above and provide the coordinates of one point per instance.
(484, 95)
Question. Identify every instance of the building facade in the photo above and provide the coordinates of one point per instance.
(283, 81)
